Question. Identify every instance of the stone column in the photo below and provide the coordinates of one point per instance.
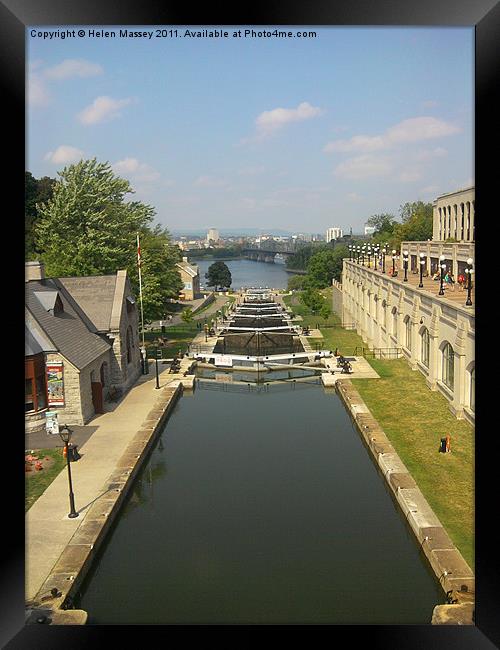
(434, 356)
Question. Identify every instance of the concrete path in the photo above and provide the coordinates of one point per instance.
(48, 528)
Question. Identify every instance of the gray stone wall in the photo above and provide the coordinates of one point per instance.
(337, 298)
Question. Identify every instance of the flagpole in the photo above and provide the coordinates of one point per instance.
(140, 297)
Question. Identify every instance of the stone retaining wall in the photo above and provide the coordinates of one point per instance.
(453, 573)
(75, 561)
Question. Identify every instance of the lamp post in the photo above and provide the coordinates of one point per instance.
(442, 266)
(350, 251)
(359, 253)
(405, 265)
(422, 263)
(363, 249)
(393, 261)
(158, 355)
(468, 274)
(384, 253)
(65, 433)
(369, 253)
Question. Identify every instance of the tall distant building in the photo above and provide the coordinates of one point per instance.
(333, 233)
(213, 235)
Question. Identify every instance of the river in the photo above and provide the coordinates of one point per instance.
(247, 273)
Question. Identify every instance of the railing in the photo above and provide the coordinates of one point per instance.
(378, 353)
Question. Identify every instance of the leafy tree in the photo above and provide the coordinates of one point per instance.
(312, 299)
(383, 223)
(325, 312)
(296, 282)
(88, 228)
(324, 266)
(218, 275)
(35, 191)
(160, 277)
(187, 315)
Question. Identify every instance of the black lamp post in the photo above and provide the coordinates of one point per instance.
(359, 253)
(158, 355)
(363, 255)
(384, 253)
(468, 274)
(369, 253)
(65, 433)
(393, 261)
(442, 266)
(350, 252)
(422, 263)
(405, 265)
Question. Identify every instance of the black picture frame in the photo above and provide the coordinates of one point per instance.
(15, 15)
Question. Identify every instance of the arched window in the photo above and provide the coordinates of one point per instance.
(448, 367)
(407, 323)
(425, 346)
(384, 313)
(472, 389)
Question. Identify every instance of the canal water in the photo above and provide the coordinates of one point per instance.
(260, 504)
(247, 273)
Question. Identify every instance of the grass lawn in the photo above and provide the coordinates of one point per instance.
(415, 419)
(37, 482)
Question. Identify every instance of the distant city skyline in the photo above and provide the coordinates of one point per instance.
(271, 134)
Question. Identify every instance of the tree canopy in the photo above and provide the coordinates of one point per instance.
(86, 227)
(218, 275)
(35, 191)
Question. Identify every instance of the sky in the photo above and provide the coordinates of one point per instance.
(298, 133)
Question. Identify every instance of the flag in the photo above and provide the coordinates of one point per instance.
(138, 252)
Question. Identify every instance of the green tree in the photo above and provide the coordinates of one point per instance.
(325, 312)
(416, 222)
(35, 191)
(295, 282)
(383, 223)
(88, 228)
(324, 266)
(218, 275)
(187, 315)
(312, 299)
(160, 277)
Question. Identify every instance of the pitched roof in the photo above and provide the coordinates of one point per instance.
(35, 341)
(94, 295)
(191, 269)
(71, 332)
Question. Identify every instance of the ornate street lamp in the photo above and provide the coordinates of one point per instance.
(442, 266)
(393, 261)
(363, 254)
(422, 264)
(359, 253)
(384, 253)
(369, 252)
(468, 274)
(65, 433)
(405, 265)
(158, 355)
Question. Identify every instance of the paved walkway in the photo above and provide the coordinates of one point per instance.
(48, 528)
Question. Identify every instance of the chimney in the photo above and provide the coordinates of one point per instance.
(34, 271)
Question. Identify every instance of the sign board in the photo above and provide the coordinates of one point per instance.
(223, 360)
(55, 383)
(51, 422)
(223, 377)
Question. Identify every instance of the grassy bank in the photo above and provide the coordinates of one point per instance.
(37, 482)
(415, 419)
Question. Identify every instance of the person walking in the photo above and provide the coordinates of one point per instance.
(461, 281)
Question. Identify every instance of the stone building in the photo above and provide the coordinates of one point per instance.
(190, 276)
(81, 345)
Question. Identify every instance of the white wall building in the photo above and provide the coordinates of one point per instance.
(333, 233)
(213, 235)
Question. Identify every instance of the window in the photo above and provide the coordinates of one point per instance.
(472, 390)
(448, 366)
(425, 344)
(395, 322)
(29, 402)
(35, 387)
(408, 332)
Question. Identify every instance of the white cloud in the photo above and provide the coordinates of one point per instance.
(269, 121)
(64, 154)
(73, 68)
(140, 172)
(363, 167)
(103, 109)
(411, 130)
(38, 94)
